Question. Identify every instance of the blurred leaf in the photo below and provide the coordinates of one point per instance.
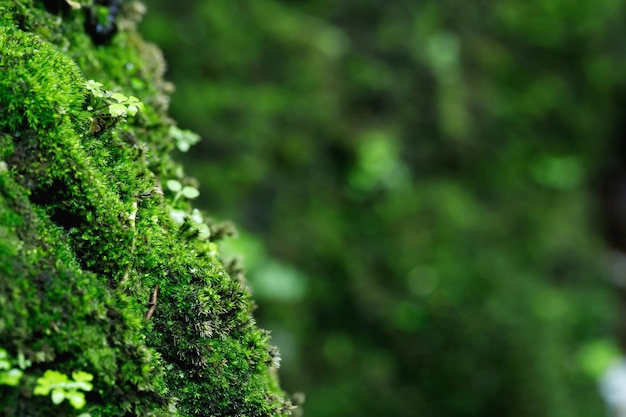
(596, 356)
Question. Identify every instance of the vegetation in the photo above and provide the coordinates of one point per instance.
(97, 280)
(417, 183)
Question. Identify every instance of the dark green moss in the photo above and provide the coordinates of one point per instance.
(88, 237)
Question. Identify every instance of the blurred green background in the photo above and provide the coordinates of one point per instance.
(413, 185)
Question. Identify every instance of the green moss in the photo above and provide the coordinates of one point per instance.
(87, 238)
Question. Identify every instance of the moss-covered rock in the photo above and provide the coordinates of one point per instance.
(103, 268)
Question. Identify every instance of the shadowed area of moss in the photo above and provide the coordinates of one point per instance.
(103, 269)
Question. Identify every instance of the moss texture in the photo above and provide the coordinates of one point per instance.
(87, 233)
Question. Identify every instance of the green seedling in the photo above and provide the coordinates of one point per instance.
(8, 374)
(109, 104)
(184, 138)
(61, 388)
(186, 191)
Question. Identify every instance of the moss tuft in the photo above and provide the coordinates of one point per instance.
(95, 274)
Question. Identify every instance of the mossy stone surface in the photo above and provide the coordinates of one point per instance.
(88, 239)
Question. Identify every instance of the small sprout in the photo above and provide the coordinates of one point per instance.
(82, 380)
(117, 110)
(8, 375)
(196, 222)
(95, 88)
(190, 192)
(174, 185)
(119, 97)
(116, 104)
(134, 105)
(186, 191)
(125, 105)
(11, 377)
(184, 138)
(61, 388)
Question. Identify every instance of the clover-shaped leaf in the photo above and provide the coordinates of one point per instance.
(174, 185)
(134, 105)
(132, 109)
(60, 387)
(117, 110)
(76, 399)
(11, 377)
(48, 381)
(190, 192)
(95, 88)
(119, 97)
(80, 376)
(82, 380)
(184, 138)
(58, 395)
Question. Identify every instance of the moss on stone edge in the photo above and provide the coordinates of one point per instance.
(87, 236)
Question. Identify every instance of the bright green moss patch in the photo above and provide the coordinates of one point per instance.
(95, 274)
(37, 99)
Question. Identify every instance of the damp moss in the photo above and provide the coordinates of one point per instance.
(95, 275)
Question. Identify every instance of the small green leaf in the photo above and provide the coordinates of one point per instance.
(94, 88)
(184, 138)
(178, 216)
(54, 377)
(132, 109)
(203, 232)
(82, 385)
(11, 377)
(121, 98)
(41, 389)
(190, 192)
(117, 110)
(58, 395)
(80, 376)
(196, 216)
(76, 399)
(174, 185)
(134, 105)
(49, 380)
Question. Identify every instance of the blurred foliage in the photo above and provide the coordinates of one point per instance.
(415, 179)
